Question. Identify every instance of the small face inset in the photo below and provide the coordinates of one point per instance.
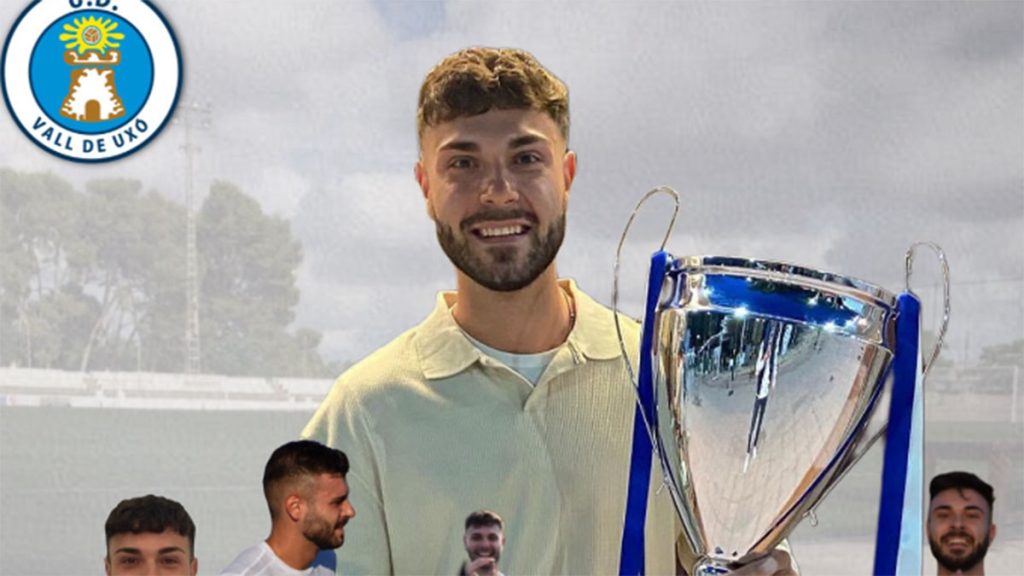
(167, 553)
(959, 528)
(484, 542)
(328, 513)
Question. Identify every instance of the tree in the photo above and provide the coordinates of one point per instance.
(248, 262)
(41, 220)
(96, 280)
(61, 323)
(137, 261)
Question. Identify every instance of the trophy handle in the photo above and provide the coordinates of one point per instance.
(615, 286)
(926, 362)
(945, 295)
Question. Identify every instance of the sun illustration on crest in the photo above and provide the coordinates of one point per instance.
(91, 34)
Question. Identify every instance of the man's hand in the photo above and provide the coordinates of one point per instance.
(480, 566)
(778, 563)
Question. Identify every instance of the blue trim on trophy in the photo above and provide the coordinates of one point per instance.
(660, 263)
(897, 441)
(633, 544)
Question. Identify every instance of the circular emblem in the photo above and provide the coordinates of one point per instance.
(91, 80)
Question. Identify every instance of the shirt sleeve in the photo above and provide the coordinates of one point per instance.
(340, 422)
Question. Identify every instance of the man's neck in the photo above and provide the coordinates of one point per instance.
(292, 548)
(533, 319)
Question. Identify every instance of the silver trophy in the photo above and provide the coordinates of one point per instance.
(760, 385)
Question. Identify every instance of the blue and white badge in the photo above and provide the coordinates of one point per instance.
(91, 80)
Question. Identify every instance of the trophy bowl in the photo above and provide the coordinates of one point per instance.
(765, 376)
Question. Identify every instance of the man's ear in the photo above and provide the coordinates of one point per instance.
(421, 178)
(424, 181)
(568, 170)
(295, 507)
(195, 566)
(991, 532)
(106, 564)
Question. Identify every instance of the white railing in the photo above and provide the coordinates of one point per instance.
(20, 386)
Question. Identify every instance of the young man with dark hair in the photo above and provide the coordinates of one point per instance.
(304, 484)
(513, 392)
(484, 540)
(960, 526)
(150, 535)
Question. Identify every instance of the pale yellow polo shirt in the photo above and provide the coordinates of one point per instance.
(435, 430)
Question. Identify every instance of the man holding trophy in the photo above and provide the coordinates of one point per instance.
(512, 395)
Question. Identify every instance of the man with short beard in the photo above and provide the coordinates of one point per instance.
(304, 484)
(960, 526)
(512, 394)
(484, 540)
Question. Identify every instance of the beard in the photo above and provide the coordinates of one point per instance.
(321, 532)
(954, 563)
(503, 272)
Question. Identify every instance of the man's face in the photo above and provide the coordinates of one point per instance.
(484, 542)
(497, 186)
(149, 553)
(959, 528)
(329, 509)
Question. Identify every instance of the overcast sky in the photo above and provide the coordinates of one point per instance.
(827, 134)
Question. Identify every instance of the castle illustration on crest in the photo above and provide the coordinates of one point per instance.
(92, 93)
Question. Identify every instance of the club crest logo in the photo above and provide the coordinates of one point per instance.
(91, 80)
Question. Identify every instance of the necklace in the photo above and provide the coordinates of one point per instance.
(572, 308)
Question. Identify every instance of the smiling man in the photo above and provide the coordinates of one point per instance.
(304, 485)
(960, 527)
(150, 536)
(484, 540)
(512, 395)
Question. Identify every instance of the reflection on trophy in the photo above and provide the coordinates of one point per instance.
(760, 384)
